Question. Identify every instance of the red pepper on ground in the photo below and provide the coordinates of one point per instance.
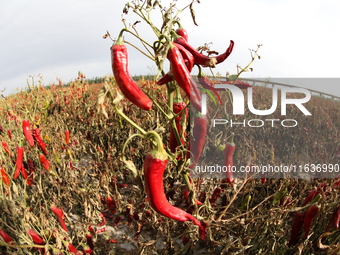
(197, 141)
(4, 176)
(7, 150)
(296, 228)
(6, 237)
(309, 218)
(228, 160)
(183, 77)
(36, 239)
(130, 89)
(45, 163)
(67, 136)
(154, 165)
(39, 140)
(27, 132)
(19, 163)
(60, 216)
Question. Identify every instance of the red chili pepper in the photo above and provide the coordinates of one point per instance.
(228, 160)
(60, 216)
(45, 163)
(37, 137)
(27, 132)
(182, 32)
(25, 175)
(183, 77)
(119, 59)
(4, 176)
(67, 136)
(215, 195)
(7, 150)
(6, 237)
(188, 60)
(35, 237)
(178, 106)
(225, 55)
(199, 58)
(154, 166)
(207, 83)
(18, 163)
(312, 194)
(73, 249)
(309, 218)
(89, 241)
(296, 228)
(197, 141)
(111, 205)
(9, 134)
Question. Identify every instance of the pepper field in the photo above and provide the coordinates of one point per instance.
(104, 203)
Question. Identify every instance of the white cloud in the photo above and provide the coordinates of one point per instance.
(299, 37)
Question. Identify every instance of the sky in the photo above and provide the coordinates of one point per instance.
(56, 39)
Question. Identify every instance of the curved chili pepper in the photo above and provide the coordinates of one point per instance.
(130, 89)
(4, 176)
(309, 218)
(225, 55)
(36, 239)
(27, 132)
(60, 216)
(154, 165)
(183, 77)
(199, 58)
(197, 141)
(18, 163)
(296, 228)
(45, 163)
(39, 140)
(178, 106)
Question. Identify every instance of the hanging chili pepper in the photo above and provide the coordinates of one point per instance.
(182, 32)
(309, 218)
(188, 60)
(197, 141)
(6, 237)
(199, 58)
(4, 176)
(130, 89)
(44, 162)
(39, 140)
(19, 161)
(296, 228)
(183, 77)
(225, 55)
(60, 216)
(178, 106)
(154, 166)
(228, 160)
(27, 132)
(207, 83)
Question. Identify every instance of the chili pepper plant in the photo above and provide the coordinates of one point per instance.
(106, 168)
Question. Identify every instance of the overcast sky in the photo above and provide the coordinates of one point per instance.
(59, 38)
